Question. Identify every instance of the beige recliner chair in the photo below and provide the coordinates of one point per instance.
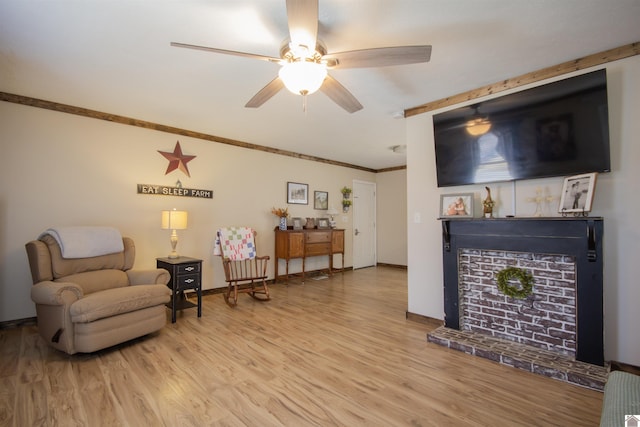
(87, 304)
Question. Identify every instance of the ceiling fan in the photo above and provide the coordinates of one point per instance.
(304, 60)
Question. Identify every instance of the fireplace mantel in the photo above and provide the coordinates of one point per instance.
(580, 238)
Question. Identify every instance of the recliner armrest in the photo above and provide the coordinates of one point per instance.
(158, 276)
(52, 293)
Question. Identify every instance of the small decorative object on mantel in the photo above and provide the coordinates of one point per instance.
(282, 214)
(345, 205)
(542, 200)
(346, 192)
(577, 194)
(488, 204)
(311, 223)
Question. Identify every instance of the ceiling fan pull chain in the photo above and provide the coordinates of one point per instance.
(304, 103)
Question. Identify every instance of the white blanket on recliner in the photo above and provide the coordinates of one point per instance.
(86, 241)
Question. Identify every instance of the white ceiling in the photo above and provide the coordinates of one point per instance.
(114, 56)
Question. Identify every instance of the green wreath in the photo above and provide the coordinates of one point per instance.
(525, 278)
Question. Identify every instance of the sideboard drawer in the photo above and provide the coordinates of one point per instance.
(315, 249)
(319, 237)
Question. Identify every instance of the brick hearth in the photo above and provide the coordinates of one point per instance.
(521, 356)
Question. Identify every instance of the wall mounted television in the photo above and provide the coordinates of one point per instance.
(557, 129)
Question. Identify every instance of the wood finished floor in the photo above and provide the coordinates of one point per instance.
(329, 352)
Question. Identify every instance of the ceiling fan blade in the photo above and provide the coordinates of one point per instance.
(340, 95)
(302, 16)
(227, 52)
(379, 57)
(265, 93)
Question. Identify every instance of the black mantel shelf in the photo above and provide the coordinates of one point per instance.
(580, 237)
(524, 218)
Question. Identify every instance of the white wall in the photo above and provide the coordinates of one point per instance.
(615, 200)
(391, 216)
(61, 169)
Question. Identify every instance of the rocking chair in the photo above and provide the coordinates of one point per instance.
(244, 271)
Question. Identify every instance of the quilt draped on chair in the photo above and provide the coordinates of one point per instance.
(235, 243)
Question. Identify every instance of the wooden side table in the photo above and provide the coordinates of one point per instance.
(186, 273)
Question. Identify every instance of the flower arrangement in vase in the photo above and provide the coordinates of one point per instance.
(282, 214)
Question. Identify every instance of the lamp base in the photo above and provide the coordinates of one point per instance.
(174, 243)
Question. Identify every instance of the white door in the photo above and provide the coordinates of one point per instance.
(364, 224)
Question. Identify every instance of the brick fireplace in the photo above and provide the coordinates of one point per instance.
(546, 319)
(558, 329)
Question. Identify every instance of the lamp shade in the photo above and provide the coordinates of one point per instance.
(303, 77)
(174, 220)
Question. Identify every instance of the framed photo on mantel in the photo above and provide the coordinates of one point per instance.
(456, 205)
(577, 194)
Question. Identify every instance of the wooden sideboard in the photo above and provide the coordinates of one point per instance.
(306, 243)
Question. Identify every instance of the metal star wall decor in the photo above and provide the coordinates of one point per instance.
(177, 160)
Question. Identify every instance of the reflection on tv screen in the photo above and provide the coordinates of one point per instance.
(557, 129)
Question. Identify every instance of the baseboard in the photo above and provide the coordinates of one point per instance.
(309, 274)
(33, 320)
(625, 367)
(436, 323)
(29, 321)
(383, 264)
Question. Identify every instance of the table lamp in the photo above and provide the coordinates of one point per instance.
(332, 212)
(174, 220)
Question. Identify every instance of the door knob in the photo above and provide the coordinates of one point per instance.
(356, 232)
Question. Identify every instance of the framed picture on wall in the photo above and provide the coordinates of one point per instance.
(577, 194)
(321, 200)
(456, 205)
(297, 194)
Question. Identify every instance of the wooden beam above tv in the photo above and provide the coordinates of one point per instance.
(532, 77)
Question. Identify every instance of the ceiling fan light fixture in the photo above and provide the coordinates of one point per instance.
(478, 126)
(302, 77)
(299, 50)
